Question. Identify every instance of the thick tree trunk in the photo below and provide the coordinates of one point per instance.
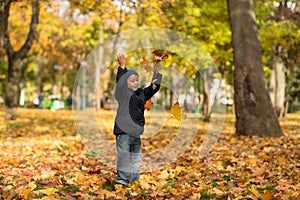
(255, 114)
(12, 89)
(277, 86)
(15, 58)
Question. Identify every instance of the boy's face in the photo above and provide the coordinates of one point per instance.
(133, 82)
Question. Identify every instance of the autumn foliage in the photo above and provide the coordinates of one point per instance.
(42, 157)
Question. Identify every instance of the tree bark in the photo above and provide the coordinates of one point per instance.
(4, 13)
(15, 60)
(39, 75)
(12, 89)
(206, 99)
(277, 87)
(254, 111)
(99, 66)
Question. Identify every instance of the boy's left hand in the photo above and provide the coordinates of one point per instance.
(153, 84)
(121, 60)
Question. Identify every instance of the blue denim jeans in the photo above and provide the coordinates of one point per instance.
(129, 158)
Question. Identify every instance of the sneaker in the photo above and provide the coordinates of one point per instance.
(124, 183)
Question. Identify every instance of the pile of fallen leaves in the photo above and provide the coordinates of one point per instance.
(42, 157)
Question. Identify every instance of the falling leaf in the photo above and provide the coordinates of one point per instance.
(148, 105)
(144, 63)
(177, 111)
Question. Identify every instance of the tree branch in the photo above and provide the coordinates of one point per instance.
(33, 30)
(4, 13)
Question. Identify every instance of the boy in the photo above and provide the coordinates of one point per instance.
(130, 121)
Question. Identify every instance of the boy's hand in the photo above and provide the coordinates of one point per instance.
(153, 84)
(121, 60)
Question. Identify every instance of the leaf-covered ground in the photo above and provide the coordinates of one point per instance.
(42, 157)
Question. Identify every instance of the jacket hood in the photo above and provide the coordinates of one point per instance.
(128, 73)
(122, 82)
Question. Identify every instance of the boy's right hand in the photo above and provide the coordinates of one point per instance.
(121, 60)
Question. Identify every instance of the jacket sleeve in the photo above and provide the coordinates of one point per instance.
(149, 91)
(120, 73)
(120, 91)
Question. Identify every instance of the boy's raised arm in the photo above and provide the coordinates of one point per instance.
(154, 87)
(121, 69)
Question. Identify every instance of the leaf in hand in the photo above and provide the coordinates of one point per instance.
(165, 56)
(177, 111)
(158, 52)
(156, 60)
(148, 105)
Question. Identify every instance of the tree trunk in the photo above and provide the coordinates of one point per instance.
(206, 98)
(15, 58)
(39, 75)
(4, 13)
(277, 87)
(12, 89)
(254, 111)
(99, 66)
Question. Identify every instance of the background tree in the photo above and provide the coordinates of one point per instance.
(279, 29)
(254, 111)
(15, 57)
(206, 22)
(69, 30)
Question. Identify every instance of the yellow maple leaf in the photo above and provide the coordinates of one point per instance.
(26, 192)
(177, 111)
(254, 191)
(163, 175)
(267, 195)
(48, 191)
(144, 184)
(105, 194)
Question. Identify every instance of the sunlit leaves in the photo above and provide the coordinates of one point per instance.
(159, 55)
(146, 65)
(19, 23)
(43, 157)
